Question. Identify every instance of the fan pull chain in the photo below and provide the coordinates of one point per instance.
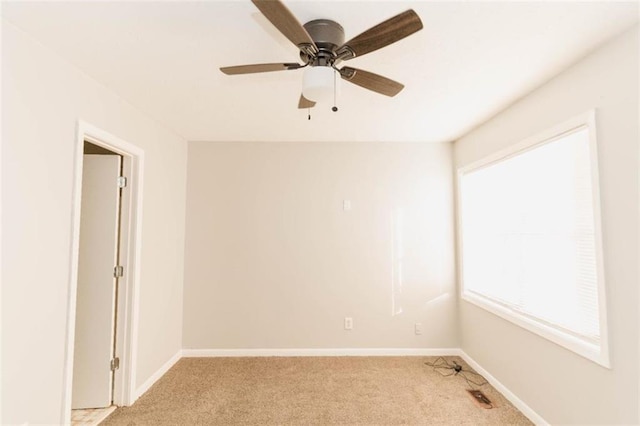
(309, 113)
(334, 108)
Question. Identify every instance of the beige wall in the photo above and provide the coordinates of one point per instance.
(562, 387)
(273, 261)
(42, 99)
(271, 258)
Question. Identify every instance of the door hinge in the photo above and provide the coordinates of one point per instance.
(115, 364)
(118, 271)
(122, 182)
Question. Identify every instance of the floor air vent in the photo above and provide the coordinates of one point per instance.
(480, 398)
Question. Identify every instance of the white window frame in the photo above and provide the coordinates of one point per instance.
(596, 353)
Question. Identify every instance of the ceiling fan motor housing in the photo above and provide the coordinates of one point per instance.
(328, 35)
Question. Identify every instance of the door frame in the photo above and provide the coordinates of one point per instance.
(130, 257)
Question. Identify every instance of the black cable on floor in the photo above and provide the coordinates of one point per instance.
(455, 369)
(446, 369)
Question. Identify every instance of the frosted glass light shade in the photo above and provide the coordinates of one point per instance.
(317, 83)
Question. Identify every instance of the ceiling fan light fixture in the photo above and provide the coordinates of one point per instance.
(318, 83)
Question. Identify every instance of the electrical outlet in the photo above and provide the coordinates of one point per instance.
(418, 328)
(348, 323)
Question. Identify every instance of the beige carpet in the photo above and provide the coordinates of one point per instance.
(312, 391)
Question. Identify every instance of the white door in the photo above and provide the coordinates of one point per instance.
(95, 306)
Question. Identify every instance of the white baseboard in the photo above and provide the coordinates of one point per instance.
(517, 402)
(196, 353)
(155, 376)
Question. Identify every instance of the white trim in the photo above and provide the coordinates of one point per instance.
(555, 335)
(206, 353)
(605, 359)
(599, 355)
(542, 138)
(512, 397)
(129, 317)
(158, 374)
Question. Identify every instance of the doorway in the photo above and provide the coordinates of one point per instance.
(103, 290)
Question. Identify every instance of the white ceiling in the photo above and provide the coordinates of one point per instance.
(471, 60)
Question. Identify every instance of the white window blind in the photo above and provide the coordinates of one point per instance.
(528, 237)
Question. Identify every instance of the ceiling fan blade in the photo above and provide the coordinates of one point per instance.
(383, 34)
(282, 18)
(371, 81)
(305, 103)
(255, 68)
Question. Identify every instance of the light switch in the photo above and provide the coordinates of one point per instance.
(346, 205)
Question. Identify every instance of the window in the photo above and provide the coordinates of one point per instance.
(530, 239)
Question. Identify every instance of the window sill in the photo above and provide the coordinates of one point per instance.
(596, 353)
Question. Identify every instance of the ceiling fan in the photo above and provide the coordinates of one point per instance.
(322, 48)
